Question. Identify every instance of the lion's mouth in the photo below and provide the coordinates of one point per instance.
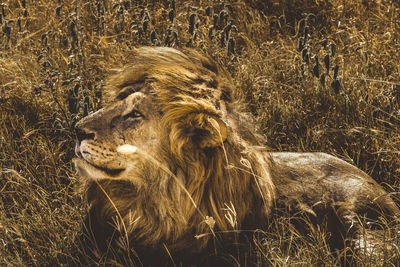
(89, 170)
(88, 164)
(111, 172)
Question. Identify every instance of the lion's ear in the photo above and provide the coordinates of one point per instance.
(216, 133)
(203, 130)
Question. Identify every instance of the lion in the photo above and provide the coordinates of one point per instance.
(173, 162)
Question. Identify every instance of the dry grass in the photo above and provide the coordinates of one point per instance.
(54, 55)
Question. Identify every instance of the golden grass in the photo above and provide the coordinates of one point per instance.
(54, 56)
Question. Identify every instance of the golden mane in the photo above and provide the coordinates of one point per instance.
(194, 97)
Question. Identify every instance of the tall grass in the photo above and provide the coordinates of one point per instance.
(55, 54)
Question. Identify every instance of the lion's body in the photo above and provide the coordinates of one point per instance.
(195, 167)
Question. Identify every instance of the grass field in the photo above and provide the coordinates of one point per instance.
(319, 75)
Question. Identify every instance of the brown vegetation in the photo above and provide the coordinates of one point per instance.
(54, 57)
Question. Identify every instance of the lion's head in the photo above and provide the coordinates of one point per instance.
(172, 157)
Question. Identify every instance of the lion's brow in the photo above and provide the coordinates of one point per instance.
(130, 88)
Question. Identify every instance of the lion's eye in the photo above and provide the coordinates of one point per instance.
(133, 114)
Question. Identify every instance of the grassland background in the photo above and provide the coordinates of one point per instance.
(54, 56)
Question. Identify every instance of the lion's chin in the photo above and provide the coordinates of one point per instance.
(88, 170)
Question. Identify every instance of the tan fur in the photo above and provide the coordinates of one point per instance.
(197, 155)
(192, 159)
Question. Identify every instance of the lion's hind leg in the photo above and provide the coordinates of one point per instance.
(371, 238)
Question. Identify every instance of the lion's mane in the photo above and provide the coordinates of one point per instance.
(207, 166)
